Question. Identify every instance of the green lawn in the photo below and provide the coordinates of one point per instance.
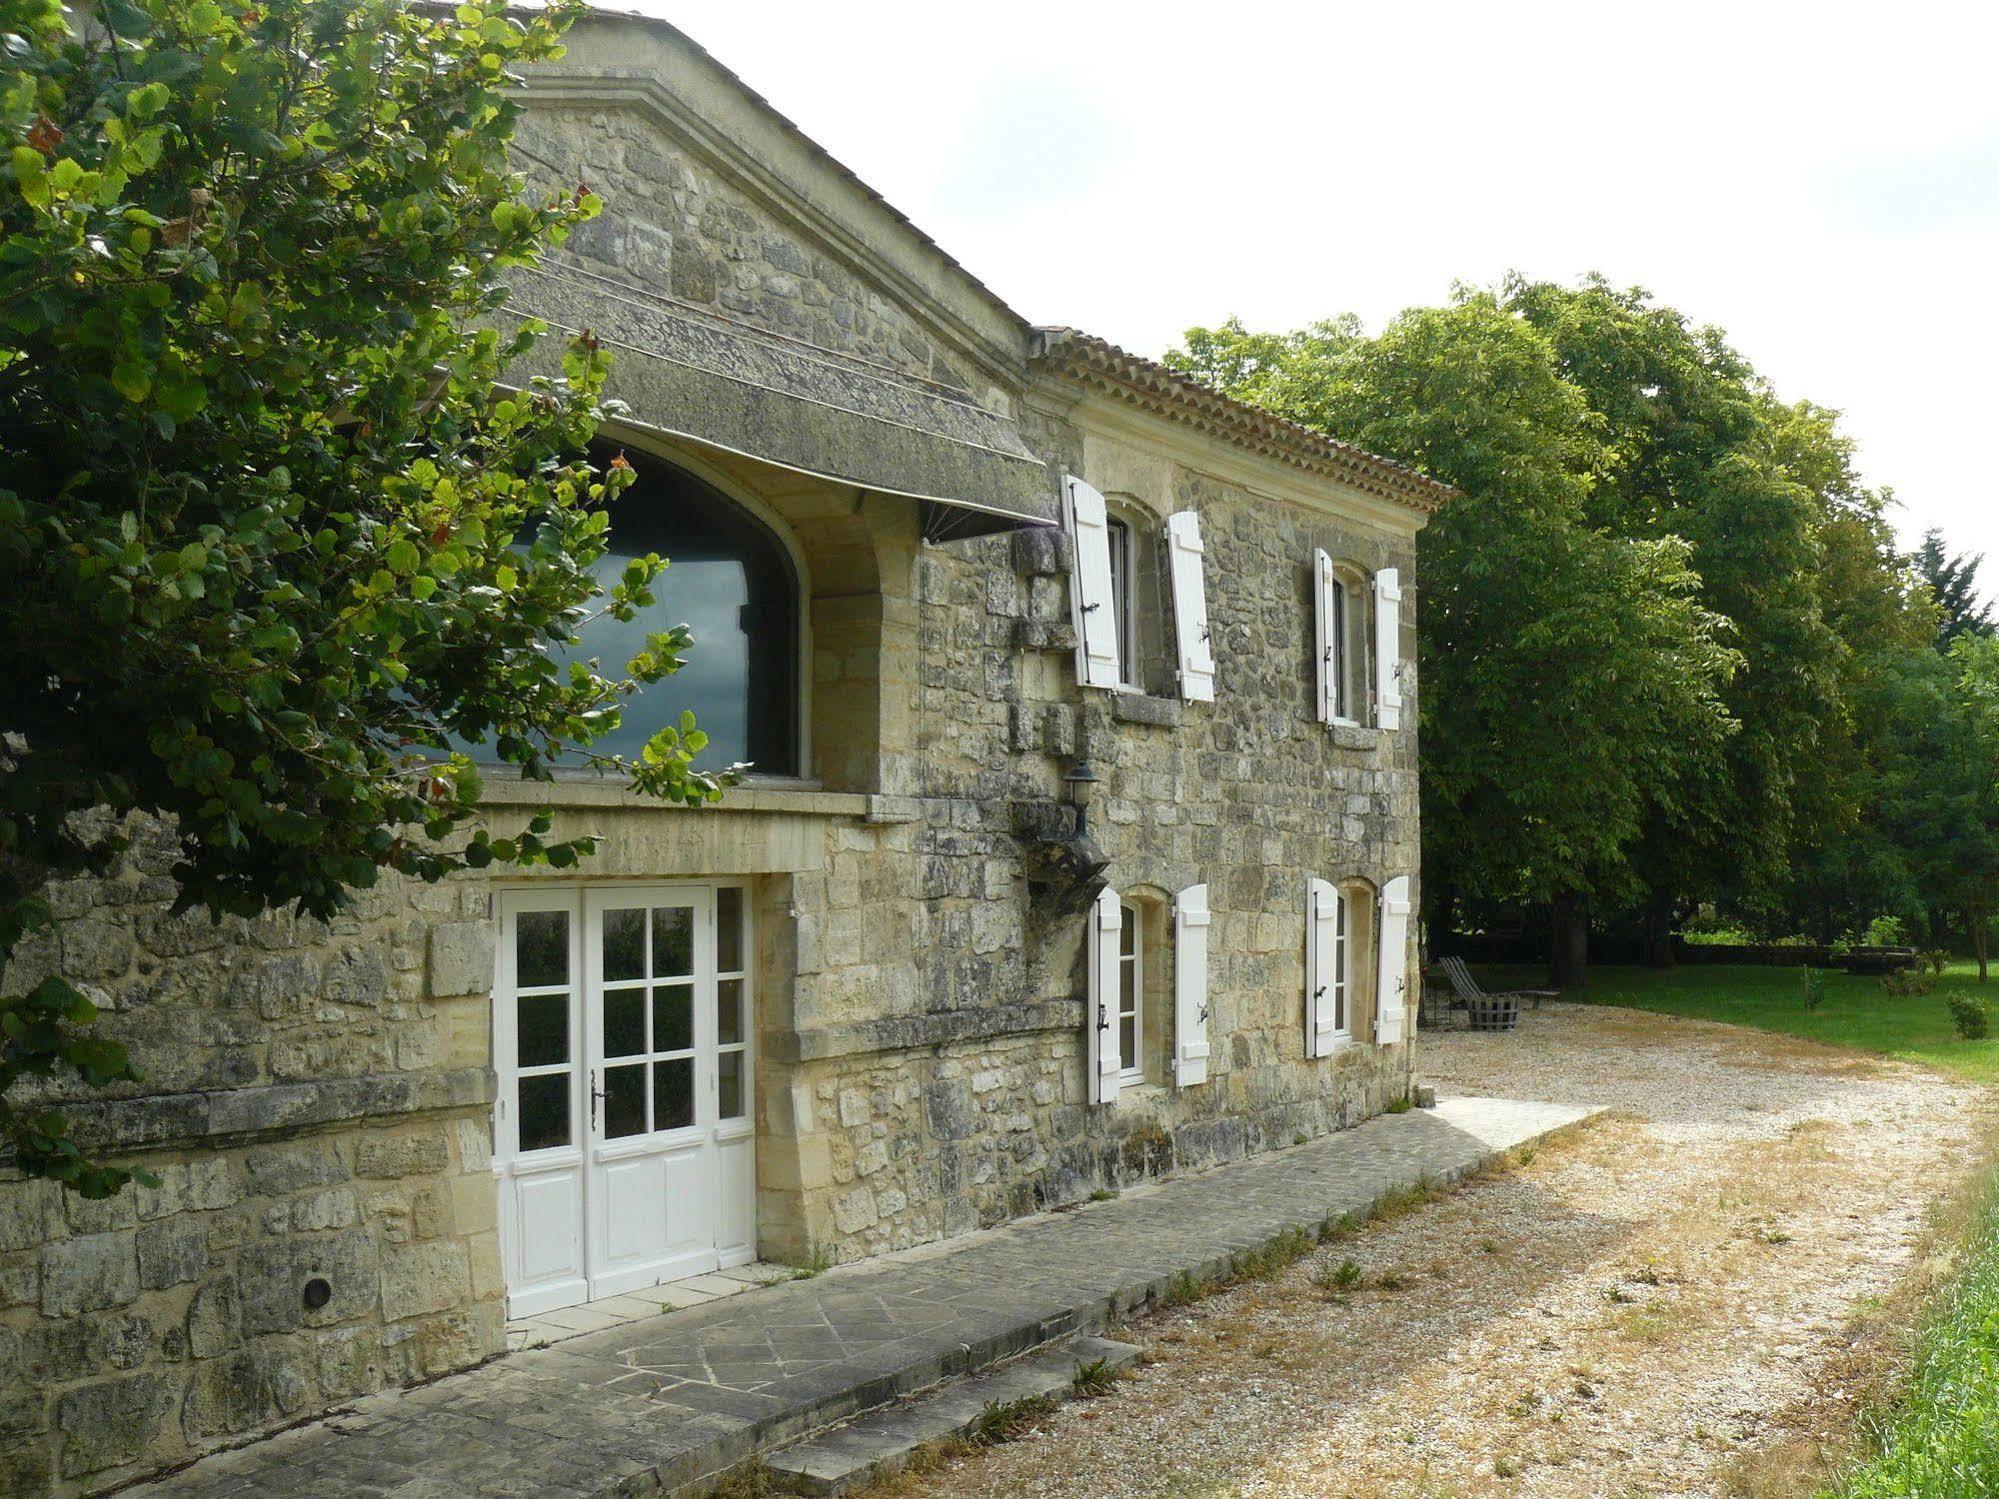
(1856, 1012)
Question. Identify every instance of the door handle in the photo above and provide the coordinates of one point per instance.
(595, 1095)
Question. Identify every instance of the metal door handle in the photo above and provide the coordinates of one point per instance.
(594, 1097)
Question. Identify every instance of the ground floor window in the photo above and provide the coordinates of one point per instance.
(1131, 989)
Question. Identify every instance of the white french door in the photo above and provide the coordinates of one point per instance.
(624, 1145)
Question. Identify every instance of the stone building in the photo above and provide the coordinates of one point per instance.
(911, 980)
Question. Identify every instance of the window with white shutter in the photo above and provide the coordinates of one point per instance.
(1388, 648)
(1190, 986)
(1391, 1006)
(1326, 597)
(1091, 591)
(1328, 970)
(1103, 1062)
(1190, 607)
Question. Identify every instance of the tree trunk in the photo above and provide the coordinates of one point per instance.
(1571, 966)
(1979, 927)
(1659, 951)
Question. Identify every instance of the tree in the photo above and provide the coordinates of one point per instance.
(1953, 582)
(1694, 455)
(1940, 790)
(274, 531)
(1567, 670)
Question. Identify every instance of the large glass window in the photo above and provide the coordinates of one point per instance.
(731, 581)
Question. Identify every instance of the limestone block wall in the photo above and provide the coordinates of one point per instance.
(315, 1108)
(944, 1092)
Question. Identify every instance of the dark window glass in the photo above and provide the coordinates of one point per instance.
(672, 941)
(1128, 1041)
(729, 929)
(625, 1023)
(673, 1093)
(673, 1017)
(730, 1083)
(544, 1111)
(541, 948)
(625, 944)
(729, 580)
(1128, 932)
(624, 1101)
(728, 1012)
(542, 1026)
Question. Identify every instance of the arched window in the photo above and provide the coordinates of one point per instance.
(732, 582)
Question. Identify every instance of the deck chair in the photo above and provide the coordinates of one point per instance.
(1485, 1011)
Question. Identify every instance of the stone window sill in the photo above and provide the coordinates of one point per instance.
(797, 798)
(1133, 706)
(1354, 736)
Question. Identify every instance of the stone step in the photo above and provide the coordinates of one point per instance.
(878, 1444)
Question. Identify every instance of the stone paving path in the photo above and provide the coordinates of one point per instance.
(662, 1404)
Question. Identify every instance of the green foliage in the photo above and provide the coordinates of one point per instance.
(1568, 671)
(1913, 983)
(1094, 1378)
(1942, 1441)
(279, 522)
(1969, 1017)
(1953, 583)
(1815, 982)
(1886, 931)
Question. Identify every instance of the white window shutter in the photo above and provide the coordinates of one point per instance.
(1190, 608)
(1323, 971)
(1190, 986)
(1391, 1000)
(1103, 1066)
(1097, 663)
(1328, 635)
(1388, 647)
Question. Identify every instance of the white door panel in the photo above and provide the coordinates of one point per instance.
(624, 1149)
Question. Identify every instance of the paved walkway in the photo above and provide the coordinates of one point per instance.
(659, 1405)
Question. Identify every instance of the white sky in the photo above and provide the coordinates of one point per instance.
(1821, 180)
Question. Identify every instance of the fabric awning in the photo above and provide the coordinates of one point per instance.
(741, 389)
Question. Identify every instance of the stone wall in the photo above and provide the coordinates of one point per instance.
(315, 1097)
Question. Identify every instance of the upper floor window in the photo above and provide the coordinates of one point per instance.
(731, 580)
(1124, 599)
(1358, 644)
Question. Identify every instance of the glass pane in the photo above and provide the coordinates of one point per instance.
(1127, 1043)
(730, 1083)
(625, 1023)
(1128, 988)
(541, 948)
(1128, 933)
(625, 944)
(672, 941)
(673, 1093)
(544, 1111)
(541, 1029)
(673, 1017)
(729, 929)
(624, 1101)
(728, 1012)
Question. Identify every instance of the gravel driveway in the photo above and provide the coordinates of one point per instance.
(1673, 1300)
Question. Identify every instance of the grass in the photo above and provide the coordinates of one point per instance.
(1855, 1012)
(1942, 1440)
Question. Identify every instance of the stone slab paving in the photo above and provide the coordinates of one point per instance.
(664, 1403)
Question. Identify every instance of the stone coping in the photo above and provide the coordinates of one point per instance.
(226, 1116)
(666, 1404)
(891, 1033)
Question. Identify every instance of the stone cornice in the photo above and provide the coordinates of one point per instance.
(1106, 370)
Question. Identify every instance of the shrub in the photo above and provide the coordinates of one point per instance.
(1814, 987)
(1937, 960)
(1912, 984)
(1969, 1016)
(1887, 931)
